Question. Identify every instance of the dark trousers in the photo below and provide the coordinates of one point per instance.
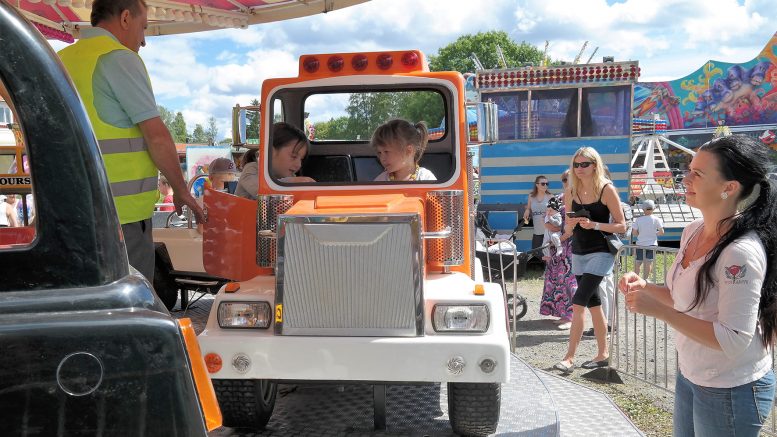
(140, 247)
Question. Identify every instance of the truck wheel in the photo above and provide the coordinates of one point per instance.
(165, 286)
(473, 408)
(246, 403)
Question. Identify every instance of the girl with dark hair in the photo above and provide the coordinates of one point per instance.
(721, 293)
(400, 146)
(289, 147)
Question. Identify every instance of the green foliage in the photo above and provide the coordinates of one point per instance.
(198, 134)
(252, 125)
(212, 132)
(166, 116)
(178, 129)
(456, 55)
(367, 111)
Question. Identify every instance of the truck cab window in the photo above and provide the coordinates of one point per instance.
(17, 203)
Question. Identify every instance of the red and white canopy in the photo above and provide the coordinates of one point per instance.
(63, 19)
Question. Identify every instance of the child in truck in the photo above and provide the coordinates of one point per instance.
(400, 146)
(552, 239)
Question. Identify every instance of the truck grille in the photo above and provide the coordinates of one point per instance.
(350, 276)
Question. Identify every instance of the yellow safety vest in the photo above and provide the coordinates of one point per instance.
(131, 172)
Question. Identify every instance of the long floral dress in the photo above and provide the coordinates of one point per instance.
(560, 283)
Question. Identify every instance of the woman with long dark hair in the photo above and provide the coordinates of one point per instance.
(721, 293)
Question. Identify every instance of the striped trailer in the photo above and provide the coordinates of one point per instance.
(545, 115)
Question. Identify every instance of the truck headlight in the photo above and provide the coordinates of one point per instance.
(460, 318)
(244, 315)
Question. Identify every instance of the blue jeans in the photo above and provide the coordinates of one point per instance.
(712, 412)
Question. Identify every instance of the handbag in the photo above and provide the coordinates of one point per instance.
(613, 242)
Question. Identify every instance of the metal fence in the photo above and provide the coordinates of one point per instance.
(643, 347)
(503, 264)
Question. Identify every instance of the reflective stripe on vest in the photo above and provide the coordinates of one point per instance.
(131, 172)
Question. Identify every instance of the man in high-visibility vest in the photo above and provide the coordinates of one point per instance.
(116, 91)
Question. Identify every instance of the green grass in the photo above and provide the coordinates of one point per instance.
(661, 264)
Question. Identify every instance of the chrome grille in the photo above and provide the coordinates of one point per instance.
(350, 276)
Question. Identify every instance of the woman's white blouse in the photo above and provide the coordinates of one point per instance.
(731, 306)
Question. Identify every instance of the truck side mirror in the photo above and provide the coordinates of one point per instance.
(239, 123)
(482, 123)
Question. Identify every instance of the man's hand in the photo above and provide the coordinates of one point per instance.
(184, 198)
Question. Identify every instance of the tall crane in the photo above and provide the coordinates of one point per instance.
(582, 49)
(592, 55)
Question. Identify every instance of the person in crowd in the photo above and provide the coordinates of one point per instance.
(7, 212)
(165, 195)
(592, 199)
(249, 175)
(552, 239)
(647, 229)
(535, 209)
(721, 293)
(220, 172)
(114, 86)
(560, 283)
(400, 146)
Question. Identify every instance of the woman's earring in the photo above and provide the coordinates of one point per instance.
(724, 195)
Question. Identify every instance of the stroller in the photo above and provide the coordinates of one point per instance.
(502, 262)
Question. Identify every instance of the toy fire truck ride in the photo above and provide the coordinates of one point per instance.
(87, 347)
(348, 278)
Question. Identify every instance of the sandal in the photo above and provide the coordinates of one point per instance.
(596, 364)
(563, 367)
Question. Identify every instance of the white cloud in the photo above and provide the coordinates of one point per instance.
(205, 74)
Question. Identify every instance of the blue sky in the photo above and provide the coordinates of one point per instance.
(205, 74)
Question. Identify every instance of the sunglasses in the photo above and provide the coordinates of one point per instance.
(544, 184)
(564, 180)
(584, 164)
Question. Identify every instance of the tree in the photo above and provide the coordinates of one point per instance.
(179, 128)
(252, 119)
(334, 129)
(212, 132)
(198, 134)
(456, 55)
(166, 116)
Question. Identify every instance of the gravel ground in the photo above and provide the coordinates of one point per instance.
(541, 344)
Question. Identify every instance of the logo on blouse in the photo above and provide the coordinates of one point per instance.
(736, 272)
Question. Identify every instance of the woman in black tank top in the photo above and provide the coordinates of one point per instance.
(593, 200)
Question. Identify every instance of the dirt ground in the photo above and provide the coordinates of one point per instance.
(541, 344)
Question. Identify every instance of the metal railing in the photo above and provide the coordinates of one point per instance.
(503, 264)
(643, 347)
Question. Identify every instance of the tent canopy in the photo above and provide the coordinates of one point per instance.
(63, 19)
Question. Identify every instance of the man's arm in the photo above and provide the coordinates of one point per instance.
(10, 212)
(162, 150)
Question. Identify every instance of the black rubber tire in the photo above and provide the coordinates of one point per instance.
(473, 408)
(246, 403)
(521, 307)
(164, 285)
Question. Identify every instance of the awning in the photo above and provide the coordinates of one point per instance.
(63, 19)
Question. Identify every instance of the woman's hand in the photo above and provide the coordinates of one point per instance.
(643, 302)
(631, 282)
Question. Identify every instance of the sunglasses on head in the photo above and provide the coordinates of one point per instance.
(564, 180)
(544, 184)
(584, 164)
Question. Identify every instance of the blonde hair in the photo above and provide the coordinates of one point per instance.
(599, 178)
(399, 132)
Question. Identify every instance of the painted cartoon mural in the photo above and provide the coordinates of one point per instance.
(717, 93)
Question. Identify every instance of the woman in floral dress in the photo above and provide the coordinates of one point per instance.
(560, 283)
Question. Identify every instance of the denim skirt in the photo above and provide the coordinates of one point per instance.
(597, 263)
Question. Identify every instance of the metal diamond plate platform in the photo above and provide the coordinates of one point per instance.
(534, 403)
